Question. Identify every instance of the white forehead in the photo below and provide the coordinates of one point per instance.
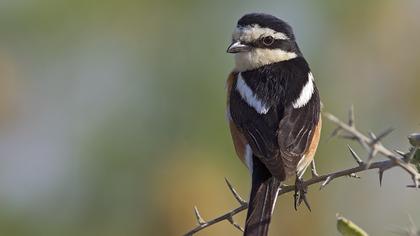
(251, 33)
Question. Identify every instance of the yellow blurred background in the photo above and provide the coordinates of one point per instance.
(112, 114)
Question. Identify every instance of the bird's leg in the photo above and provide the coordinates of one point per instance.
(313, 169)
(300, 193)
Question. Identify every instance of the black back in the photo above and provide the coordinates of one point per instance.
(278, 85)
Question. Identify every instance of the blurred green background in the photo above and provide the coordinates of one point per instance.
(112, 116)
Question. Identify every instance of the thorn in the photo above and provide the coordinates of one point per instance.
(333, 134)
(372, 135)
(200, 219)
(381, 136)
(347, 136)
(235, 193)
(327, 181)
(355, 156)
(351, 116)
(236, 225)
(381, 175)
(401, 153)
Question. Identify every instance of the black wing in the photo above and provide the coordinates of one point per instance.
(295, 132)
(280, 137)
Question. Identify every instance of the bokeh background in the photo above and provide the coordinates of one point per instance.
(112, 116)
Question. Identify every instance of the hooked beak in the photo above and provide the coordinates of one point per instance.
(237, 46)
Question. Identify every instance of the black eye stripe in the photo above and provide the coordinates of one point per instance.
(283, 44)
(277, 43)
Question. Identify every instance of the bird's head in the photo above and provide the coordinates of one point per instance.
(262, 39)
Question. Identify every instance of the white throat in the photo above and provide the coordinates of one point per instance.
(260, 57)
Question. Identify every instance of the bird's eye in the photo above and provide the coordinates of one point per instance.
(268, 40)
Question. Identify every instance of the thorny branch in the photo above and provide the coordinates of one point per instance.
(371, 143)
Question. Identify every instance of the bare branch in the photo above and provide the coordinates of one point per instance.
(325, 179)
(347, 130)
(373, 152)
(366, 142)
(223, 217)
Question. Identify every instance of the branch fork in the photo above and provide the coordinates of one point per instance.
(346, 130)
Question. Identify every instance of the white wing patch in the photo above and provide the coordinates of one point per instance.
(306, 93)
(249, 97)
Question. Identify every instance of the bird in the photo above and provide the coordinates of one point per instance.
(273, 109)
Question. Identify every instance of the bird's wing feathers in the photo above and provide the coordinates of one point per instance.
(280, 137)
(295, 134)
(282, 151)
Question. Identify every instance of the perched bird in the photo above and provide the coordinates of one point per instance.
(273, 108)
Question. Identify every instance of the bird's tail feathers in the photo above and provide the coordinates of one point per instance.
(261, 205)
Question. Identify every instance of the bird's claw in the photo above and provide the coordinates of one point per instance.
(300, 193)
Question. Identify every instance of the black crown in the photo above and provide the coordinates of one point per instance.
(267, 21)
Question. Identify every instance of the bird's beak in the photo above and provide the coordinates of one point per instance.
(237, 46)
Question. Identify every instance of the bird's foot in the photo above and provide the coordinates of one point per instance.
(300, 193)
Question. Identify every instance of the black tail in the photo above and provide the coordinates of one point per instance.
(262, 200)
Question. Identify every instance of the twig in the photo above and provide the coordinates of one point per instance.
(373, 146)
(345, 130)
(223, 217)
